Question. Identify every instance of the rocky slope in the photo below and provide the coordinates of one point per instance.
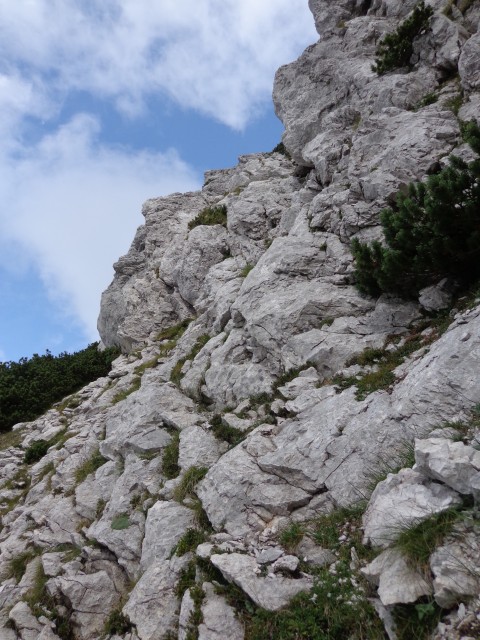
(249, 405)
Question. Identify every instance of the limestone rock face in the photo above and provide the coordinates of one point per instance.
(258, 390)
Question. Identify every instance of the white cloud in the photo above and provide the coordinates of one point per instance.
(217, 56)
(69, 202)
(73, 205)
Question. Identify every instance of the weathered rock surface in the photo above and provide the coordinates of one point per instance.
(271, 593)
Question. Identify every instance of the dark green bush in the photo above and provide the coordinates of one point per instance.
(210, 215)
(36, 451)
(433, 232)
(31, 385)
(396, 49)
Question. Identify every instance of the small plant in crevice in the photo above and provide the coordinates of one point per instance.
(402, 457)
(170, 468)
(18, 564)
(210, 216)
(93, 463)
(416, 621)
(386, 361)
(118, 623)
(420, 539)
(246, 270)
(121, 395)
(280, 148)
(172, 335)
(190, 541)
(186, 487)
(176, 374)
(291, 536)
(223, 431)
(36, 451)
(396, 49)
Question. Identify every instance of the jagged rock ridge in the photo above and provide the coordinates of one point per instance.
(210, 318)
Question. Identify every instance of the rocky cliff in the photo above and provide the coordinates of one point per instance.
(220, 479)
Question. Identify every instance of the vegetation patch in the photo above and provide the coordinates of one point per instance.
(43, 604)
(170, 468)
(432, 233)
(209, 216)
(89, 466)
(223, 431)
(36, 451)
(402, 458)
(175, 332)
(396, 49)
(118, 623)
(18, 564)
(186, 487)
(190, 541)
(150, 364)
(246, 270)
(291, 536)
(387, 361)
(416, 621)
(30, 386)
(280, 148)
(176, 375)
(418, 541)
(121, 522)
(10, 439)
(121, 395)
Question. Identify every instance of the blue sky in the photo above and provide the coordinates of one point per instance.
(104, 104)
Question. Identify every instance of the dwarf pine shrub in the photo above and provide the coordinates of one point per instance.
(433, 232)
(396, 49)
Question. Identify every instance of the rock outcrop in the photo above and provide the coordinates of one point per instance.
(259, 392)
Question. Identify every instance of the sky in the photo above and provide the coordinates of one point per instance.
(105, 103)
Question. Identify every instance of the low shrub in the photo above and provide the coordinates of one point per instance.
(432, 233)
(209, 216)
(118, 623)
(396, 49)
(36, 451)
(189, 541)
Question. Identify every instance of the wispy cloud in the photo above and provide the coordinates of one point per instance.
(217, 56)
(69, 202)
(72, 203)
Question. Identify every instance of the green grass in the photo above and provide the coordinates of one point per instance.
(121, 395)
(418, 541)
(176, 374)
(121, 522)
(18, 564)
(11, 439)
(186, 579)
(186, 487)
(417, 621)
(140, 370)
(291, 536)
(117, 623)
(454, 103)
(402, 458)
(387, 361)
(209, 216)
(89, 466)
(42, 604)
(190, 541)
(170, 468)
(246, 270)
(223, 431)
(175, 332)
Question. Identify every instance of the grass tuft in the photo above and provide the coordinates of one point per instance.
(170, 468)
(186, 487)
(121, 522)
(223, 431)
(291, 536)
(89, 466)
(121, 395)
(190, 541)
(209, 216)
